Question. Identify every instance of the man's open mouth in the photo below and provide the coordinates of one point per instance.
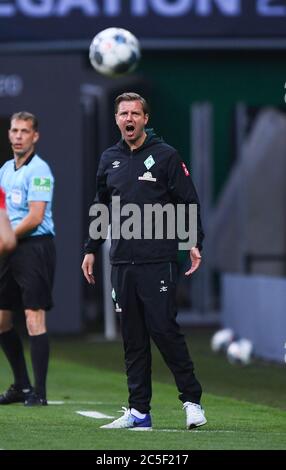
(130, 128)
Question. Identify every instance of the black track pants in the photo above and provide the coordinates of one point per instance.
(145, 298)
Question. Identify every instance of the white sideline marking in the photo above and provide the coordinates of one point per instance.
(94, 414)
(56, 402)
(70, 402)
(190, 430)
(209, 430)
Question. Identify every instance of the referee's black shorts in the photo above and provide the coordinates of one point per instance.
(27, 275)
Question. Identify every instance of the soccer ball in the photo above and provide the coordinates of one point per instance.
(221, 339)
(114, 52)
(239, 352)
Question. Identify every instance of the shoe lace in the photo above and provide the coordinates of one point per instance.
(194, 408)
(125, 418)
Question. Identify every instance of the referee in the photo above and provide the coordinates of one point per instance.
(26, 275)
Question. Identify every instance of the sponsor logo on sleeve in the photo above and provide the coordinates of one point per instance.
(186, 171)
(42, 184)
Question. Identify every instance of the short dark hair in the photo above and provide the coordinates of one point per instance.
(25, 116)
(130, 96)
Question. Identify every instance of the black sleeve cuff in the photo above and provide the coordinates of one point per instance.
(91, 246)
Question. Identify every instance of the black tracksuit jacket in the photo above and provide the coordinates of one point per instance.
(118, 175)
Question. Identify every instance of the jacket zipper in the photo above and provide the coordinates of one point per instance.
(131, 181)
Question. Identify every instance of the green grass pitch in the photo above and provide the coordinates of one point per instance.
(245, 406)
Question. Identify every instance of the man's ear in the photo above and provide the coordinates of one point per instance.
(36, 137)
(146, 118)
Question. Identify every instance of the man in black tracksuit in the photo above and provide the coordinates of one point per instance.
(142, 169)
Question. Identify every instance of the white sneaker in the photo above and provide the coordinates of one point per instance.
(129, 421)
(195, 415)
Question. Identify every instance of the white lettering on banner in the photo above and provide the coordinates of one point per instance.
(40, 9)
(178, 8)
(265, 9)
(137, 8)
(7, 9)
(10, 85)
(112, 7)
(88, 7)
(181, 7)
(227, 7)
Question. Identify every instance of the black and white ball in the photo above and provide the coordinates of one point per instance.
(114, 52)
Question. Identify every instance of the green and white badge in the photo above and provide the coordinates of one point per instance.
(149, 162)
(42, 184)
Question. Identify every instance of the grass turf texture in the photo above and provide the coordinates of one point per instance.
(245, 407)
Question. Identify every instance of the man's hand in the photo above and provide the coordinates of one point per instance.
(87, 267)
(196, 258)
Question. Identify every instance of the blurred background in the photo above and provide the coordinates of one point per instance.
(214, 73)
